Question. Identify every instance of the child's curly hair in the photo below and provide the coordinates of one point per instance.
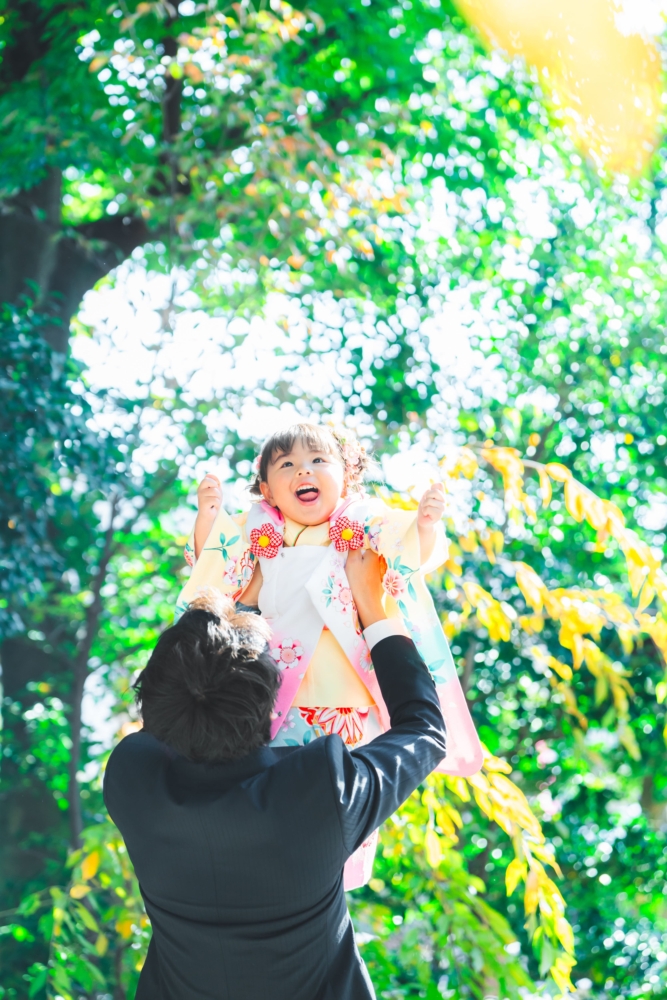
(339, 442)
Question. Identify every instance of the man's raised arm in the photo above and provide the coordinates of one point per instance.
(372, 781)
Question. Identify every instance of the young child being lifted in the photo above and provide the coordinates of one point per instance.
(287, 556)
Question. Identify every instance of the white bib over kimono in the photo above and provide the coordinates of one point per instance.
(305, 590)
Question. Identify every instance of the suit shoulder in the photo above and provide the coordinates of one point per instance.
(134, 749)
(323, 754)
(335, 750)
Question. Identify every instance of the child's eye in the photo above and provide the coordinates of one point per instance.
(285, 465)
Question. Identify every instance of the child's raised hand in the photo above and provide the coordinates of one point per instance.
(209, 497)
(431, 506)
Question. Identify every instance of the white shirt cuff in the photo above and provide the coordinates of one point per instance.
(382, 629)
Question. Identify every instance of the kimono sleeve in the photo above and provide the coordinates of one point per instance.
(225, 562)
(392, 531)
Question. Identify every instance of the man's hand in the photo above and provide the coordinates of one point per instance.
(209, 501)
(431, 506)
(365, 569)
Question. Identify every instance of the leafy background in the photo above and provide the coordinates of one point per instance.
(355, 210)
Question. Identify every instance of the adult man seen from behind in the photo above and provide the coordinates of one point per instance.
(239, 848)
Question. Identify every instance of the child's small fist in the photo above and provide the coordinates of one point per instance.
(431, 506)
(209, 496)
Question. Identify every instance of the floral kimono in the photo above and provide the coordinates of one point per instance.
(307, 601)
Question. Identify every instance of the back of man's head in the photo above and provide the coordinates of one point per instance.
(209, 688)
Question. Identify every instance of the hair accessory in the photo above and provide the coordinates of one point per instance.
(265, 541)
(346, 534)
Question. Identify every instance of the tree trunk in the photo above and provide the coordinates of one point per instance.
(55, 265)
(28, 810)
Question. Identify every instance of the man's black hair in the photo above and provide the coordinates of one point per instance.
(209, 688)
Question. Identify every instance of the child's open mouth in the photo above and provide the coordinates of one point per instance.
(307, 494)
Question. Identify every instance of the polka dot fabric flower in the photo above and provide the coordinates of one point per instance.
(346, 534)
(265, 541)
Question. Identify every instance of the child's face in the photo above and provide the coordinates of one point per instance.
(304, 485)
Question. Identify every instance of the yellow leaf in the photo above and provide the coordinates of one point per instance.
(531, 895)
(97, 63)
(596, 511)
(453, 565)
(529, 507)
(646, 596)
(508, 462)
(487, 544)
(479, 781)
(102, 944)
(474, 593)
(561, 970)
(462, 463)
(661, 691)
(448, 819)
(458, 786)
(545, 488)
(577, 647)
(495, 764)
(531, 586)
(546, 853)
(558, 472)
(516, 872)
(79, 891)
(492, 617)
(58, 917)
(498, 541)
(433, 848)
(575, 498)
(552, 663)
(565, 934)
(469, 542)
(601, 689)
(124, 928)
(90, 865)
(627, 640)
(531, 623)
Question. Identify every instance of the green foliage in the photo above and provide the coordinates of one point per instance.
(43, 439)
(378, 169)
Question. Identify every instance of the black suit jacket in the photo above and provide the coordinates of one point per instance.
(241, 864)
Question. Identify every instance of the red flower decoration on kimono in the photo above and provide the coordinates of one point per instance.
(346, 534)
(265, 541)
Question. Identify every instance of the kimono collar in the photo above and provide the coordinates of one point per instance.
(311, 534)
(318, 534)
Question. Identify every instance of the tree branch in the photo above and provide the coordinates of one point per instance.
(80, 673)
